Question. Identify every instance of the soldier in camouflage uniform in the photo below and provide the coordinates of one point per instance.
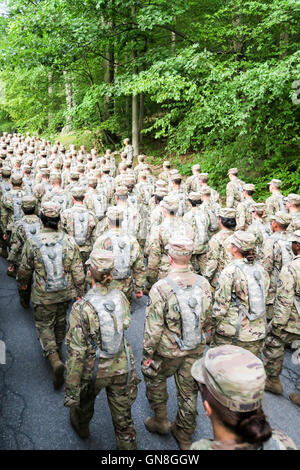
(214, 195)
(259, 227)
(129, 272)
(28, 226)
(158, 262)
(80, 223)
(277, 252)
(128, 150)
(231, 381)
(53, 258)
(286, 320)
(199, 222)
(5, 186)
(165, 174)
(193, 182)
(210, 209)
(58, 195)
(275, 202)
(176, 192)
(244, 208)
(293, 206)
(95, 361)
(11, 210)
(239, 311)
(234, 189)
(219, 253)
(177, 317)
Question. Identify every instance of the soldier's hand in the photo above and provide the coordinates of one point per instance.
(79, 298)
(5, 237)
(147, 362)
(138, 294)
(11, 268)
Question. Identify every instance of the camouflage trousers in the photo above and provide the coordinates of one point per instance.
(274, 350)
(157, 394)
(256, 347)
(120, 399)
(50, 322)
(199, 262)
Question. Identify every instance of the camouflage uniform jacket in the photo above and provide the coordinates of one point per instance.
(189, 219)
(32, 265)
(272, 261)
(232, 281)
(7, 209)
(162, 321)
(5, 186)
(262, 232)
(182, 201)
(67, 223)
(286, 315)
(28, 184)
(275, 203)
(41, 189)
(211, 210)
(244, 214)
(295, 223)
(283, 442)
(131, 223)
(165, 175)
(19, 238)
(136, 257)
(60, 196)
(82, 355)
(218, 256)
(193, 184)
(90, 203)
(234, 193)
(158, 262)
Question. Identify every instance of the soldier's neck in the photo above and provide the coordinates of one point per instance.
(222, 434)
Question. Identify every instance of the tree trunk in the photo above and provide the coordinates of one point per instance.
(135, 110)
(50, 93)
(141, 117)
(68, 88)
(109, 75)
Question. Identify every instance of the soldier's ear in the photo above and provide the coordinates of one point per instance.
(207, 408)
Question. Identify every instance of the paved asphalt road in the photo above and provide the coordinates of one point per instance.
(32, 415)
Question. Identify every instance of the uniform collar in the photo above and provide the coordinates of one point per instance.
(179, 270)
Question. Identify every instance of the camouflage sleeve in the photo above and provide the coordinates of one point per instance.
(268, 258)
(63, 222)
(76, 349)
(213, 257)
(16, 246)
(154, 323)
(240, 217)
(207, 304)
(138, 267)
(223, 294)
(77, 271)
(229, 195)
(154, 255)
(4, 217)
(284, 296)
(126, 312)
(270, 207)
(26, 268)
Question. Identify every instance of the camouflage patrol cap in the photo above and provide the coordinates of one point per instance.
(160, 192)
(55, 176)
(16, 178)
(166, 163)
(249, 187)
(29, 202)
(43, 153)
(50, 209)
(45, 171)
(74, 175)
(180, 246)
(206, 191)
(174, 171)
(106, 168)
(276, 183)
(294, 199)
(228, 213)
(234, 376)
(10, 150)
(259, 207)
(122, 191)
(114, 214)
(233, 171)
(101, 260)
(27, 169)
(203, 175)
(161, 184)
(6, 171)
(143, 174)
(18, 160)
(129, 180)
(176, 176)
(78, 191)
(194, 196)
(92, 179)
(283, 218)
(244, 241)
(196, 167)
(170, 203)
(295, 237)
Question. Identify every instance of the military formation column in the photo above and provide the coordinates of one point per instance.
(222, 280)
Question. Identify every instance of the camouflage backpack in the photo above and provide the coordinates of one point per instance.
(17, 205)
(81, 221)
(99, 201)
(189, 305)
(31, 229)
(201, 232)
(213, 217)
(60, 199)
(52, 256)
(121, 248)
(5, 187)
(110, 314)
